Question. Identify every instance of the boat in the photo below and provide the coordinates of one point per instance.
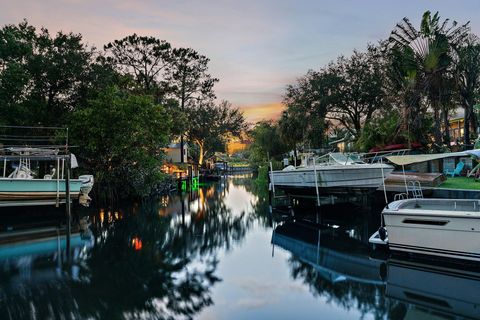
(434, 227)
(22, 184)
(331, 173)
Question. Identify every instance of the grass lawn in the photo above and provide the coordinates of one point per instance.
(461, 183)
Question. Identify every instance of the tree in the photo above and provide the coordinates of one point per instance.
(307, 103)
(359, 93)
(120, 138)
(211, 125)
(189, 80)
(429, 51)
(145, 58)
(267, 143)
(291, 131)
(467, 76)
(380, 131)
(41, 76)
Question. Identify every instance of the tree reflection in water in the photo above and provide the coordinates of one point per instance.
(156, 259)
(367, 299)
(173, 272)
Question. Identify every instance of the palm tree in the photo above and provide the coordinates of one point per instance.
(428, 55)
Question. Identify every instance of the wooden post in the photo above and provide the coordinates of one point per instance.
(68, 206)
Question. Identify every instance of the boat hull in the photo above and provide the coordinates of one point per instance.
(446, 233)
(359, 177)
(37, 189)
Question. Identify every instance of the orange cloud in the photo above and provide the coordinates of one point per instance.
(265, 111)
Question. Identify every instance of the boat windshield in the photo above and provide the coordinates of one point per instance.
(345, 158)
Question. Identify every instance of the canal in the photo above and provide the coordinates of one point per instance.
(219, 253)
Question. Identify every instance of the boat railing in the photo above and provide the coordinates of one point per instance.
(471, 205)
(354, 157)
(374, 157)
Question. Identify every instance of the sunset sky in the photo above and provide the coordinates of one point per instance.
(256, 47)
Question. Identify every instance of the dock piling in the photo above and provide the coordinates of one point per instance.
(316, 181)
(68, 206)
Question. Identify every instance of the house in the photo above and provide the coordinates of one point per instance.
(456, 126)
(173, 153)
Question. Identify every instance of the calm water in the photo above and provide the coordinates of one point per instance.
(217, 253)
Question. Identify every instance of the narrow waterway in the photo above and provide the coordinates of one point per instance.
(219, 253)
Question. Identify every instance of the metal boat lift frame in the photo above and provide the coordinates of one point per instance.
(15, 140)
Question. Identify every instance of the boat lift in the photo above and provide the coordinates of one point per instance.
(24, 144)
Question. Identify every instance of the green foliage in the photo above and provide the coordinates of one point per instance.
(468, 183)
(210, 125)
(41, 76)
(429, 55)
(266, 143)
(359, 92)
(188, 77)
(467, 80)
(380, 132)
(348, 92)
(307, 103)
(145, 58)
(120, 138)
(123, 104)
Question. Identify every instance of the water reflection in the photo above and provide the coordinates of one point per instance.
(434, 291)
(167, 251)
(34, 272)
(336, 263)
(155, 259)
(199, 253)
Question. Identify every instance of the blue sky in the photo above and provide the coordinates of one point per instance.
(256, 47)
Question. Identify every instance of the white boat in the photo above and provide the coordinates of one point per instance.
(332, 172)
(448, 228)
(435, 227)
(22, 185)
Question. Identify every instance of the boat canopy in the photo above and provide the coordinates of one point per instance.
(417, 158)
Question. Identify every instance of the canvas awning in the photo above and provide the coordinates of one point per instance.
(417, 158)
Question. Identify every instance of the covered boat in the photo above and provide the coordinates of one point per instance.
(22, 185)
